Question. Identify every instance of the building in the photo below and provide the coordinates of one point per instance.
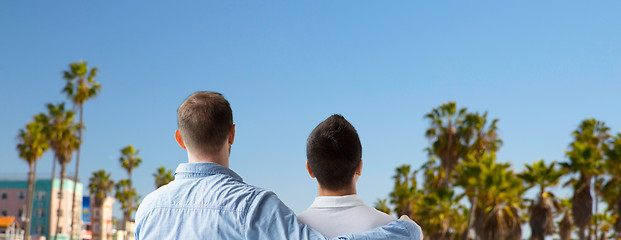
(45, 206)
(9, 229)
(98, 216)
(86, 233)
(126, 231)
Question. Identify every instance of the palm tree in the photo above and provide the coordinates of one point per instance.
(441, 214)
(100, 185)
(80, 87)
(163, 177)
(469, 177)
(480, 137)
(33, 142)
(585, 158)
(127, 195)
(496, 197)
(129, 160)
(541, 210)
(404, 191)
(63, 140)
(566, 225)
(503, 195)
(611, 191)
(446, 134)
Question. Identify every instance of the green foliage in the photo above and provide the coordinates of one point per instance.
(542, 175)
(611, 191)
(100, 185)
(163, 177)
(447, 135)
(441, 213)
(541, 210)
(125, 192)
(404, 191)
(80, 86)
(129, 159)
(586, 156)
(437, 210)
(32, 143)
(462, 155)
(63, 130)
(33, 140)
(127, 196)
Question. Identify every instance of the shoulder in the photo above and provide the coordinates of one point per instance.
(148, 203)
(262, 197)
(378, 216)
(305, 216)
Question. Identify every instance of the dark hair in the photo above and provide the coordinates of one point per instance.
(333, 151)
(205, 119)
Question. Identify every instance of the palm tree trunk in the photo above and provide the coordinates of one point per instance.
(597, 191)
(30, 199)
(473, 207)
(129, 208)
(102, 233)
(77, 169)
(582, 207)
(131, 201)
(60, 199)
(617, 226)
(49, 217)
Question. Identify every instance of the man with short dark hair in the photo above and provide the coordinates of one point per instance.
(334, 158)
(207, 200)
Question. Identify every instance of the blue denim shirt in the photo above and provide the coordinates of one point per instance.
(209, 201)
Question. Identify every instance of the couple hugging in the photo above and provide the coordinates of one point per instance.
(207, 200)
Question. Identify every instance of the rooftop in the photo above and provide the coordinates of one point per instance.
(7, 221)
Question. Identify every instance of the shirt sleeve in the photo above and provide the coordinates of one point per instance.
(268, 218)
(400, 230)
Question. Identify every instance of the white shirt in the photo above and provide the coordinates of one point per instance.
(333, 216)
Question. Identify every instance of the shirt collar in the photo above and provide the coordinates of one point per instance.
(337, 201)
(203, 169)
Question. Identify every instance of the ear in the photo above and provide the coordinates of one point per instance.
(359, 169)
(179, 139)
(309, 170)
(232, 134)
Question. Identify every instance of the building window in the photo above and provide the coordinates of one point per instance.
(5, 195)
(21, 195)
(41, 195)
(40, 230)
(40, 212)
(59, 230)
(4, 213)
(20, 213)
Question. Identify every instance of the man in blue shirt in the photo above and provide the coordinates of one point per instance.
(207, 200)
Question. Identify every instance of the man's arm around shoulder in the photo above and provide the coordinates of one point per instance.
(269, 217)
(403, 228)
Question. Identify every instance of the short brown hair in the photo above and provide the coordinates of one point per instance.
(205, 119)
(333, 151)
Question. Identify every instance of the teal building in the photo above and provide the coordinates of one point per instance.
(46, 205)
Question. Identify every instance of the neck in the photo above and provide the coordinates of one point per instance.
(340, 192)
(222, 159)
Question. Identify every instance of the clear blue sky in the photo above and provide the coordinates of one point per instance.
(540, 67)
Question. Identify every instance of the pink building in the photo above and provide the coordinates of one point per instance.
(47, 198)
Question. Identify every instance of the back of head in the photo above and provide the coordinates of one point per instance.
(333, 151)
(205, 119)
